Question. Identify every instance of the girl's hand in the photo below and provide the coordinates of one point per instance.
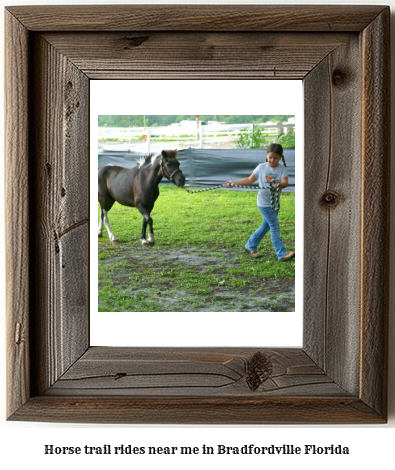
(229, 184)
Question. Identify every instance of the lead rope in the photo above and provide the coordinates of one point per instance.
(275, 197)
(274, 192)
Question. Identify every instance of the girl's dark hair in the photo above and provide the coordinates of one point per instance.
(277, 148)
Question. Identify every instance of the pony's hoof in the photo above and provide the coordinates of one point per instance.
(114, 241)
(148, 242)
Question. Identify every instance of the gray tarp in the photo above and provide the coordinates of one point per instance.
(203, 168)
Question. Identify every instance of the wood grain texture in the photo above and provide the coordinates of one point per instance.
(198, 410)
(17, 213)
(60, 201)
(317, 115)
(186, 372)
(196, 55)
(123, 385)
(332, 195)
(375, 211)
(339, 376)
(196, 17)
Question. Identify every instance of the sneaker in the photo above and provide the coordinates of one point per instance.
(288, 256)
(253, 254)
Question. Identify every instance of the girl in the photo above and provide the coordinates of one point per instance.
(276, 175)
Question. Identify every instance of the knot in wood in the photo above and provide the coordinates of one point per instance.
(259, 369)
(135, 41)
(330, 199)
(339, 77)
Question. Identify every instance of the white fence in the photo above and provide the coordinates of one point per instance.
(187, 133)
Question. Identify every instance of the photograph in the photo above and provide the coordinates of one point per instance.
(206, 232)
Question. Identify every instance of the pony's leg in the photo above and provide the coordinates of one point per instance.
(107, 224)
(147, 220)
(143, 232)
(151, 238)
(100, 229)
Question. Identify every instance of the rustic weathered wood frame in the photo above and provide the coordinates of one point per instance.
(340, 374)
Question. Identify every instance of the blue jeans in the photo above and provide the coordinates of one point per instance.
(269, 223)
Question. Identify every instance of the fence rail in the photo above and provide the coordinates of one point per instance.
(204, 133)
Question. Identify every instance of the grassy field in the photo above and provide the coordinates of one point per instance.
(198, 262)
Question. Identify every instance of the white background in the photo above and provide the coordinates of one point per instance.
(22, 444)
(209, 97)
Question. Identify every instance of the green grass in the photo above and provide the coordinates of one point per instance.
(198, 261)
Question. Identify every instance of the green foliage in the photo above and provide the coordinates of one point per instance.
(257, 139)
(165, 120)
(252, 140)
(287, 140)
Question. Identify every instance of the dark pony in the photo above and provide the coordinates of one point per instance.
(137, 187)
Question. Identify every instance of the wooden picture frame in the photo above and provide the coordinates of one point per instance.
(340, 374)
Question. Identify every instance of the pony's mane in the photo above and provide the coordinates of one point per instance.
(150, 159)
(143, 160)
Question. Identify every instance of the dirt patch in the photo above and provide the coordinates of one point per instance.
(141, 257)
(196, 280)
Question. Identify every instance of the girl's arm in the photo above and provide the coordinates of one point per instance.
(244, 182)
(283, 183)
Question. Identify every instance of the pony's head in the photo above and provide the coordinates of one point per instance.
(171, 167)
